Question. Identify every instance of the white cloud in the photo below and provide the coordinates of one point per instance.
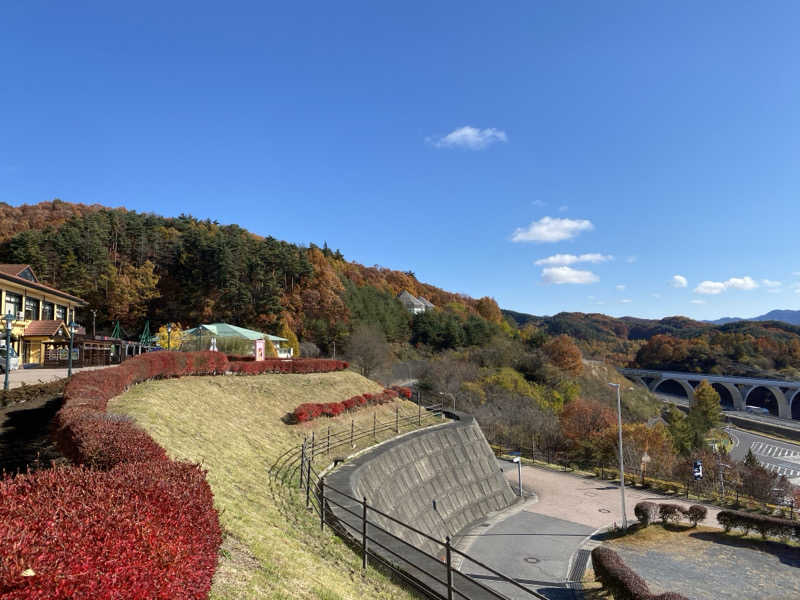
(678, 281)
(626, 301)
(697, 301)
(734, 283)
(549, 229)
(571, 259)
(469, 138)
(559, 275)
(621, 287)
(631, 259)
(539, 203)
(563, 208)
(710, 287)
(656, 295)
(771, 284)
(741, 283)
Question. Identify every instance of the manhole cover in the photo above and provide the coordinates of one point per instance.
(604, 510)
(531, 560)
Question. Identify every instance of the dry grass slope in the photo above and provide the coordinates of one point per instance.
(232, 425)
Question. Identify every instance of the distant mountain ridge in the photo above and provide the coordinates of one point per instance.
(785, 316)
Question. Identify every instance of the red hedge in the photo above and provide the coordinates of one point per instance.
(134, 524)
(131, 532)
(288, 365)
(310, 411)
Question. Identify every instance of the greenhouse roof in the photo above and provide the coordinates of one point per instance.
(226, 330)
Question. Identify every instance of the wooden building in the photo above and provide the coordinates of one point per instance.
(41, 313)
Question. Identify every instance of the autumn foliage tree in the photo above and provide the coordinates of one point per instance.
(583, 422)
(564, 354)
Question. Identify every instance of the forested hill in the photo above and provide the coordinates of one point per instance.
(133, 266)
(679, 343)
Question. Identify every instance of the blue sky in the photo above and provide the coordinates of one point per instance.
(617, 144)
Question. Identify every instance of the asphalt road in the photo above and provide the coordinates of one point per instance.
(781, 457)
(771, 419)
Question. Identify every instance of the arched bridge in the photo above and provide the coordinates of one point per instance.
(781, 398)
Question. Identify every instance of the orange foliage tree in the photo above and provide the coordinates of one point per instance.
(564, 354)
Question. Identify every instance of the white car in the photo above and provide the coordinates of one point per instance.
(13, 360)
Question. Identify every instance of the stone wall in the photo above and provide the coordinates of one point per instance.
(451, 465)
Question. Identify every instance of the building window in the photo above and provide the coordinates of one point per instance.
(48, 311)
(31, 309)
(13, 304)
(61, 313)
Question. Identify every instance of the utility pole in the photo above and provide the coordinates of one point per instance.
(621, 463)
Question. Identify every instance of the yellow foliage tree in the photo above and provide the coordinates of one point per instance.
(175, 337)
(287, 333)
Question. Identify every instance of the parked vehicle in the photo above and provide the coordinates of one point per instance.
(13, 360)
(757, 410)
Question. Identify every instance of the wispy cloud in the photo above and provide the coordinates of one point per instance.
(549, 229)
(697, 301)
(626, 301)
(631, 259)
(734, 283)
(656, 295)
(571, 259)
(563, 208)
(621, 287)
(678, 281)
(561, 275)
(469, 138)
(539, 203)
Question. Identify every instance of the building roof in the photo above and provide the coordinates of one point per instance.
(44, 328)
(11, 272)
(409, 300)
(14, 269)
(226, 330)
(426, 302)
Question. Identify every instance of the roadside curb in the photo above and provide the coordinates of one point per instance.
(580, 561)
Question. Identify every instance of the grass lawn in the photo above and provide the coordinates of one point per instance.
(232, 426)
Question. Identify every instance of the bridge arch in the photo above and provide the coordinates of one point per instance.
(794, 404)
(776, 404)
(729, 395)
(683, 383)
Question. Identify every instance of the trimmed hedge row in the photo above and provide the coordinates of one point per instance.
(313, 410)
(288, 365)
(620, 580)
(766, 526)
(647, 512)
(126, 522)
(310, 411)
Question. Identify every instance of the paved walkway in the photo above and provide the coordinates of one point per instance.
(33, 376)
(538, 542)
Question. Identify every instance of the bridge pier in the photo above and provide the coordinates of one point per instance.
(684, 383)
(784, 412)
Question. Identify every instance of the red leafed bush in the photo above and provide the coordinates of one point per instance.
(307, 412)
(404, 392)
(349, 404)
(620, 580)
(131, 532)
(367, 397)
(288, 365)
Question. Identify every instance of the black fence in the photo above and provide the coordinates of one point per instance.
(447, 573)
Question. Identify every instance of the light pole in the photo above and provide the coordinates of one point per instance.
(8, 319)
(72, 327)
(621, 464)
(94, 315)
(169, 335)
(517, 460)
(452, 396)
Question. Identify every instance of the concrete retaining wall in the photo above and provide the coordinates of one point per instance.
(451, 465)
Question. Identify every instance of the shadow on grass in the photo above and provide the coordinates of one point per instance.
(787, 554)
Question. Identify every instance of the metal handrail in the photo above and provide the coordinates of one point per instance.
(300, 459)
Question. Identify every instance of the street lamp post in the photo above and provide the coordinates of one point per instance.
(94, 330)
(621, 463)
(8, 319)
(518, 460)
(169, 335)
(72, 327)
(452, 396)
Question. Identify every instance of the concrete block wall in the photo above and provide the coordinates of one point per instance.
(452, 465)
